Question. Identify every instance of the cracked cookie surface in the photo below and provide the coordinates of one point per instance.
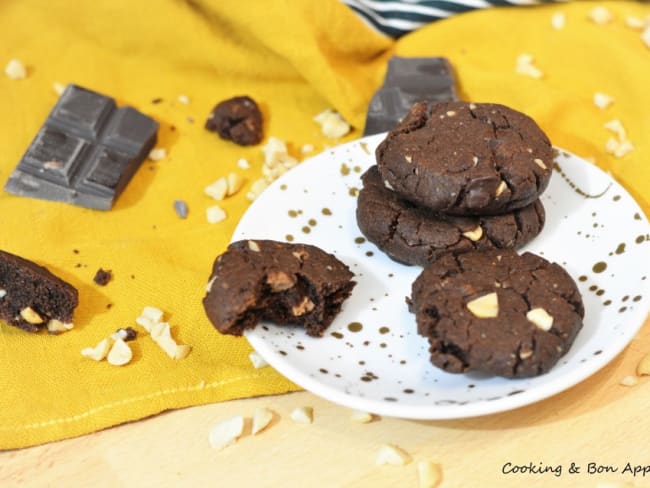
(416, 236)
(466, 158)
(284, 283)
(496, 312)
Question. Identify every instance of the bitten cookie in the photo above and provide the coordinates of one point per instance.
(237, 119)
(31, 297)
(496, 312)
(412, 235)
(466, 158)
(277, 281)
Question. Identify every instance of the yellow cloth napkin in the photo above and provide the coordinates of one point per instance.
(296, 58)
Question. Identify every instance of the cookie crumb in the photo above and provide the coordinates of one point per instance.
(237, 119)
(16, 70)
(102, 277)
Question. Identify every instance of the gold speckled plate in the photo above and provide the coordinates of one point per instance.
(371, 358)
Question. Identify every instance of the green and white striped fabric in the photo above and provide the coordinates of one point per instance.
(398, 17)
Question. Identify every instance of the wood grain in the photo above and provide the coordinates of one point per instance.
(598, 421)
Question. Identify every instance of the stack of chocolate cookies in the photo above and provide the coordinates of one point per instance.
(453, 178)
(456, 190)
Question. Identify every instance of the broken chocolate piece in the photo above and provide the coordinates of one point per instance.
(31, 297)
(237, 119)
(85, 153)
(407, 81)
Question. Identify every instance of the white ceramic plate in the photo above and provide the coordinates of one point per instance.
(371, 357)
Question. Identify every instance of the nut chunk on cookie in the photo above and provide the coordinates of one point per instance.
(496, 312)
(284, 283)
(32, 298)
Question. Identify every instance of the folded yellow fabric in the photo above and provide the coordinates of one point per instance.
(296, 58)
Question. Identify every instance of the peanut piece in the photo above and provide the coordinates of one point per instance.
(540, 163)
(55, 326)
(602, 100)
(629, 381)
(217, 190)
(235, 182)
(486, 306)
(643, 368)
(474, 234)
(120, 354)
(280, 281)
(540, 318)
(261, 419)
(30, 315)
(226, 432)
(390, 454)
(429, 474)
(215, 214)
(158, 154)
(16, 70)
(257, 360)
(501, 188)
(302, 415)
(305, 306)
(253, 246)
(98, 352)
(361, 417)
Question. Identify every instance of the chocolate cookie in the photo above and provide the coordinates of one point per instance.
(237, 119)
(413, 235)
(276, 281)
(31, 297)
(496, 312)
(466, 158)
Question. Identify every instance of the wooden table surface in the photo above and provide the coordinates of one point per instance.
(598, 421)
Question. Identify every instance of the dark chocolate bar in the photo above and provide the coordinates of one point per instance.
(407, 81)
(85, 153)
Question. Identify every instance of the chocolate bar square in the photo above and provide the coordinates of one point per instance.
(86, 152)
(407, 81)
